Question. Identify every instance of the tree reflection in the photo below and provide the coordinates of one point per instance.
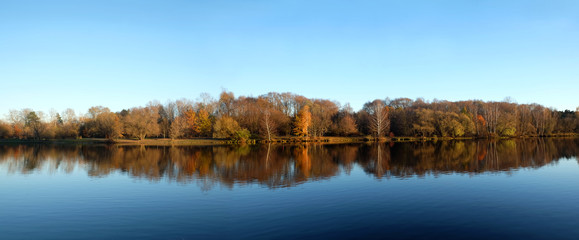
(276, 166)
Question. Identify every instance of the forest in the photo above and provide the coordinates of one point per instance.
(273, 115)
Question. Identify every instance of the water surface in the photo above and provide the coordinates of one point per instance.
(450, 189)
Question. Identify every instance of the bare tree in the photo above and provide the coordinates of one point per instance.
(70, 124)
(267, 124)
(379, 122)
(543, 119)
(491, 115)
(141, 122)
(17, 119)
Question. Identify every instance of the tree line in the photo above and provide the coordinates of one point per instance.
(286, 114)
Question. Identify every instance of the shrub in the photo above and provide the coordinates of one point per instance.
(241, 135)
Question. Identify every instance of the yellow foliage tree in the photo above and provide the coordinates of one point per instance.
(225, 127)
(204, 124)
(190, 118)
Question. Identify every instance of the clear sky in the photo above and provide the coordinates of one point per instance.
(121, 53)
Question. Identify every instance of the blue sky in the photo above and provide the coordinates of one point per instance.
(121, 54)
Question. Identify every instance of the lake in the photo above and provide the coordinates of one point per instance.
(524, 189)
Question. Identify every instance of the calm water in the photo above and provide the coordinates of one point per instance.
(471, 189)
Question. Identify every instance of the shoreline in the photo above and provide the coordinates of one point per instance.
(279, 140)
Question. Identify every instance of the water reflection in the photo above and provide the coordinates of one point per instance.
(286, 165)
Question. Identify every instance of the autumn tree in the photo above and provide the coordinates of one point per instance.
(480, 125)
(109, 125)
(225, 127)
(467, 124)
(33, 123)
(70, 124)
(226, 103)
(16, 120)
(302, 122)
(343, 122)
(448, 124)
(142, 122)
(167, 115)
(189, 118)
(423, 125)
(178, 128)
(346, 126)
(508, 121)
(248, 112)
(203, 124)
(101, 122)
(400, 116)
(5, 130)
(322, 112)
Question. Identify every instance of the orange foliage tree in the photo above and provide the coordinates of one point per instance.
(302, 122)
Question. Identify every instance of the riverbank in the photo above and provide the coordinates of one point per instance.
(278, 140)
(181, 142)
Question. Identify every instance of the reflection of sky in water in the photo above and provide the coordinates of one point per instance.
(535, 203)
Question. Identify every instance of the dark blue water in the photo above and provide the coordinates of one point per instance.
(446, 190)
